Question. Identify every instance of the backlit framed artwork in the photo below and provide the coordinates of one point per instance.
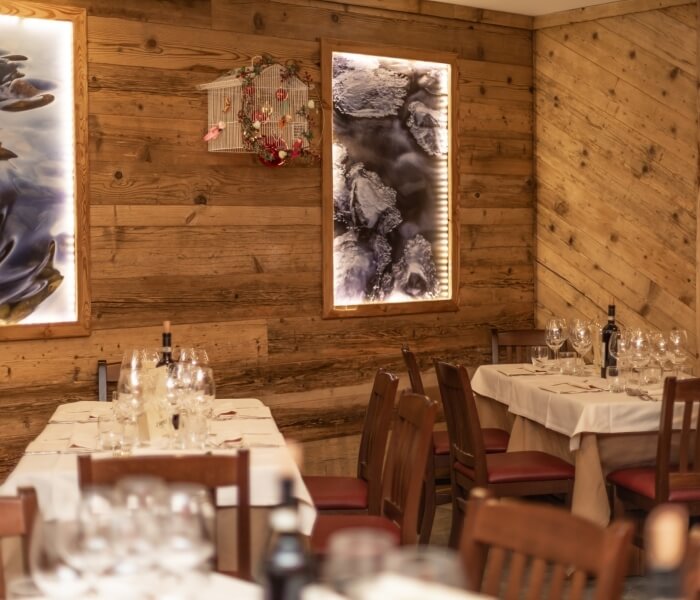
(44, 228)
(390, 205)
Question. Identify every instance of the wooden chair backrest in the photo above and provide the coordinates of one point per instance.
(414, 375)
(406, 461)
(687, 473)
(515, 344)
(209, 470)
(106, 373)
(463, 425)
(375, 433)
(532, 540)
(691, 575)
(17, 515)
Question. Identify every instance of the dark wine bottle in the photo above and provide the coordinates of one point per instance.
(166, 352)
(166, 360)
(287, 566)
(607, 360)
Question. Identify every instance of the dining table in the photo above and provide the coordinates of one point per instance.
(49, 464)
(574, 417)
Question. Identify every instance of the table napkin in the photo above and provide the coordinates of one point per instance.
(570, 388)
(65, 438)
(251, 412)
(517, 370)
(80, 412)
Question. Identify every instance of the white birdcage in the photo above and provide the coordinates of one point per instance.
(271, 105)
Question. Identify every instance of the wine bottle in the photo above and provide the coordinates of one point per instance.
(607, 360)
(287, 566)
(166, 352)
(666, 531)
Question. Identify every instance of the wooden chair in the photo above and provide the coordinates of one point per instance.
(402, 480)
(437, 476)
(540, 536)
(691, 570)
(209, 470)
(17, 514)
(107, 373)
(363, 493)
(525, 473)
(515, 344)
(643, 488)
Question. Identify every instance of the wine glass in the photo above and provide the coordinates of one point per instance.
(659, 348)
(640, 348)
(51, 572)
(132, 389)
(203, 394)
(581, 337)
(195, 356)
(678, 341)
(186, 532)
(556, 334)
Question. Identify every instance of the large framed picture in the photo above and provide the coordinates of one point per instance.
(390, 206)
(44, 228)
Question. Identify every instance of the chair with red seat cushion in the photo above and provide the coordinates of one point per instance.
(361, 493)
(527, 473)
(402, 480)
(642, 488)
(437, 477)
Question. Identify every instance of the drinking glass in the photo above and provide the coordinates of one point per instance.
(678, 341)
(659, 348)
(132, 389)
(615, 378)
(195, 356)
(556, 334)
(539, 356)
(581, 337)
(426, 563)
(51, 572)
(619, 345)
(640, 348)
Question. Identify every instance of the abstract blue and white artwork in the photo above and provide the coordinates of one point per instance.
(390, 154)
(37, 172)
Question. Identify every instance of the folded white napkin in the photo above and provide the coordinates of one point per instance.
(246, 412)
(80, 412)
(571, 388)
(517, 370)
(65, 438)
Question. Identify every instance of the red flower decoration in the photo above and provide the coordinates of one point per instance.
(281, 94)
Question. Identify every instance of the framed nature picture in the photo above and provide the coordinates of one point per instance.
(43, 172)
(390, 232)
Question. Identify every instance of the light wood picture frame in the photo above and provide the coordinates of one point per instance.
(44, 207)
(390, 180)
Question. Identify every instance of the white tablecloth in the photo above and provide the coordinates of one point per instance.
(52, 468)
(564, 409)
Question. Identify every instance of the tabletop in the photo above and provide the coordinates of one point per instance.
(50, 461)
(568, 404)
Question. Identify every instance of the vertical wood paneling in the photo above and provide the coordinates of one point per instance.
(230, 251)
(616, 163)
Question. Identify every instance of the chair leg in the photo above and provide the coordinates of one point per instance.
(428, 512)
(457, 517)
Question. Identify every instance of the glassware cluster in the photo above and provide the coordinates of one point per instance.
(177, 399)
(127, 541)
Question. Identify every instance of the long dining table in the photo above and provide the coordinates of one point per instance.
(49, 464)
(573, 417)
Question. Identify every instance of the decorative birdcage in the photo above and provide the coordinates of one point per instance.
(261, 109)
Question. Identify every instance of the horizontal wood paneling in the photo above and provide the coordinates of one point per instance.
(230, 251)
(616, 165)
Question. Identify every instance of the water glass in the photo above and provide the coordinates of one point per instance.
(539, 356)
(567, 361)
(108, 432)
(651, 375)
(616, 379)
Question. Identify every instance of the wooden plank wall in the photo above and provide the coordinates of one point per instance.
(230, 251)
(616, 166)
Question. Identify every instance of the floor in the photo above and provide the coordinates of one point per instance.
(635, 587)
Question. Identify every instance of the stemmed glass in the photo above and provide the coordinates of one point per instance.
(178, 386)
(203, 394)
(659, 348)
(581, 337)
(678, 341)
(556, 334)
(195, 356)
(51, 572)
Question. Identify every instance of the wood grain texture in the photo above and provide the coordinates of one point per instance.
(601, 11)
(230, 251)
(616, 164)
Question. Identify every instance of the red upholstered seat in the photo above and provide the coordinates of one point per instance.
(337, 493)
(642, 481)
(528, 465)
(495, 440)
(326, 525)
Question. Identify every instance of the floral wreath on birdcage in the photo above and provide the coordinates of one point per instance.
(270, 149)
